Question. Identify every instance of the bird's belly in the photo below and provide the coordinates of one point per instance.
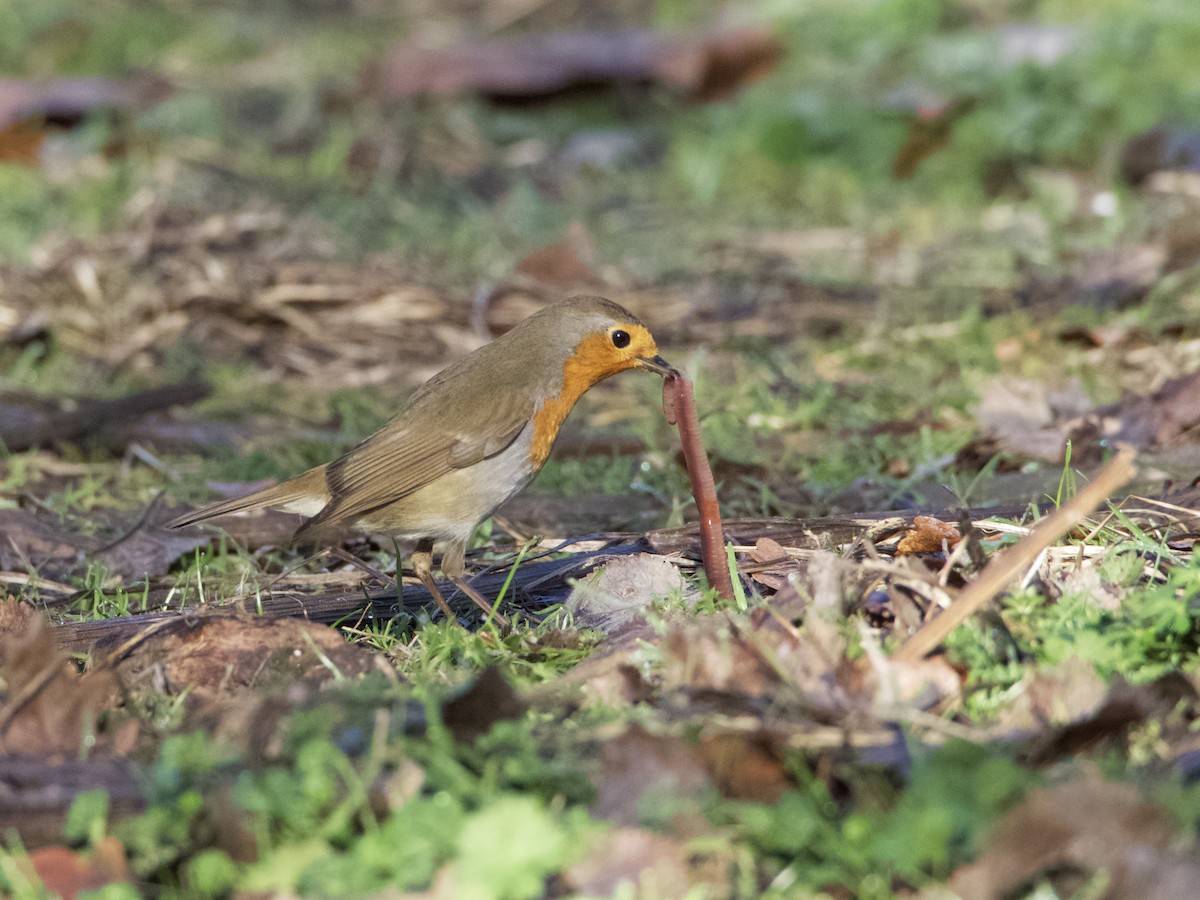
(450, 507)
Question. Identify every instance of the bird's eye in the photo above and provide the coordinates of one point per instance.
(620, 338)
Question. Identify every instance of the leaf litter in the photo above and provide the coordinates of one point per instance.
(733, 697)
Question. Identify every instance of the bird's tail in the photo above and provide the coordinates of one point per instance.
(305, 494)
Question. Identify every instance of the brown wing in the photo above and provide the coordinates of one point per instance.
(408, 454)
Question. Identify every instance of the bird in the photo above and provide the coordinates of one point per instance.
(471, 437)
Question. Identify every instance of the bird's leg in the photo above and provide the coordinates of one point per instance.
(422, 563)
(465, 586)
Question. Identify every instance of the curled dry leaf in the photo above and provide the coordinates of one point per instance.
(27, 539)
(640, 772)
(706, 66)
(744, 766)
(46, 707)
(927, 535)
(1087, 825)
(67, 873)
(487, 700)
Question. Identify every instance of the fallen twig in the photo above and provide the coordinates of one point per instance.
(1008, 564)
(37, 428)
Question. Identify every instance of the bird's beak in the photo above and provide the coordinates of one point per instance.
(658, 365)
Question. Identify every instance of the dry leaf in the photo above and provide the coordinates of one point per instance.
(1157, 420)
(68, 872)
(711, 655)
(46, 707)
(1026, 417)
(927, 535)
(744, 766)
(706, 67)
(489, 699)
(1091, 825)
(643, 775)
(28, 541)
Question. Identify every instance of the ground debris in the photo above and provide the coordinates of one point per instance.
(640, 857)
(1083, 826)
(68, 872)
(238, 285)
(34, 541)
(706, 66)
(30, 421)
(621, 590)
(213, 655)
(30, 109)
(47, 708)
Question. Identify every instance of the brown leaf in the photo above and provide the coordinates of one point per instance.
(768, 550)
(1027, 418)
(711, 655)
(27, 540)
(46, 707)
(643, 773)
(927, 535)
(744, 766)
(1087, 824)
(68, 872)
(706, 67)
(488, 700)
(566, 265)
(70, 98)
(1156, 420)
(149, 552)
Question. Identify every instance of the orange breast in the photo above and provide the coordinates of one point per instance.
(592, 362)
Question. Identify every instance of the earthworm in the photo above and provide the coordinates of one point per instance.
(679, 406)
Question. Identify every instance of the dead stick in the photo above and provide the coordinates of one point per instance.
(679, 405)
(1006, 565)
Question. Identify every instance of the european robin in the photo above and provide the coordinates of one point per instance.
(470, 438)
